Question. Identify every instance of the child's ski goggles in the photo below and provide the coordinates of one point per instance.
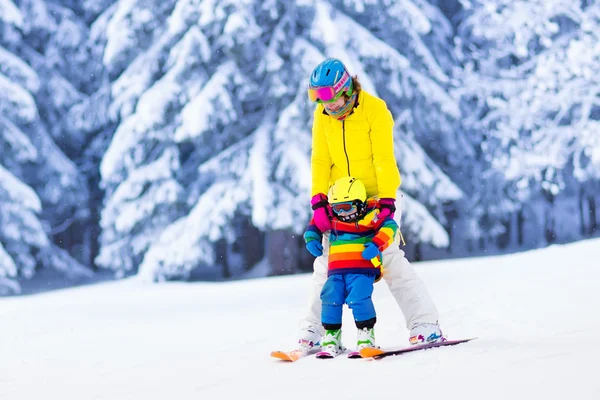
(328, 94)
(345, 207)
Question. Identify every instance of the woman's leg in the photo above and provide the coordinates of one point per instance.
(311, 330)
(407, 288)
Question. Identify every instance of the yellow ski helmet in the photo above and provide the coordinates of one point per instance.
(347, 197)
(347, 189)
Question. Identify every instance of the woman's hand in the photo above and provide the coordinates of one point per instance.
(321, 212)
(387, 208)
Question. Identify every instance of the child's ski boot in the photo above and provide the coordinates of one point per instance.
(365, 338)
(332, 344)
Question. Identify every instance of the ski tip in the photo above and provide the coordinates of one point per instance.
(460, 340)
(370, 352)
(280, 355)
(287, 356)
(324, 355)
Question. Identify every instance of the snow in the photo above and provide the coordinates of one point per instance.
(187, 242)
(16, 102)
(7, 266)
(369, 46)
(418, 171)
(186, 54)
(134, 199)
(533, 313)
(18, 71)
(13, 190)
(22, 148)
(10, 14)
(238, 23)
(419, 221)
(38, 15)
(211, 11)
(212, 105)
(262, 191)
(120, 30)
(409, 10)
(145, 199)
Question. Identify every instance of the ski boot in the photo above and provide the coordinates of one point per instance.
(332, 344)
(365, 338)
(310, 338)
(425, 332)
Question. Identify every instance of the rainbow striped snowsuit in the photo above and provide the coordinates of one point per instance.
(348, 240)
(351, 277)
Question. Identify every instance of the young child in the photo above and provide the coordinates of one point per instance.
(356, 241)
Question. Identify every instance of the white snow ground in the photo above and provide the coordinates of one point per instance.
(537, 316)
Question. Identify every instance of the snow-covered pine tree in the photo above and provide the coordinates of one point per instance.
(213, 94)
(22, 234)
(531, 95)
(196, 112)
(44, 195)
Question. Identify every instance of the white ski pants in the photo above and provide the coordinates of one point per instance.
(406, 287)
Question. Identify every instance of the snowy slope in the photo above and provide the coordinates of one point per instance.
(535, 313)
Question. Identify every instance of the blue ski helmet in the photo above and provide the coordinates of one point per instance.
(330, 73)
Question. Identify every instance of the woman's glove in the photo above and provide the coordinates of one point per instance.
(371, 251)
(321, 212)
(315, 248)
(387, 208)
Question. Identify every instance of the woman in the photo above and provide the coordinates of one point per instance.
(352, 135)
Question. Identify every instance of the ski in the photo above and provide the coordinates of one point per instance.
(378, 354)
(290, 356)
(327, 355)
(354, 354)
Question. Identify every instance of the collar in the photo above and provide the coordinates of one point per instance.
(358, 98)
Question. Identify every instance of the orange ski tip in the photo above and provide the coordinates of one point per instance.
(287, 356)
(370, 352)
(280, 355)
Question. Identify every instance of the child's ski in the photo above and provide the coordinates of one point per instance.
(326, 354)
(379, 354)
(291, 356)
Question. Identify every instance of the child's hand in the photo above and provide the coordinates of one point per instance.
(315, 248)
(371, 251)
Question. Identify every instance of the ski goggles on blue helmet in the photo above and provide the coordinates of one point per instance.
(328, 94)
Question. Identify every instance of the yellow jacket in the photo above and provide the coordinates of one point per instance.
(361, 146)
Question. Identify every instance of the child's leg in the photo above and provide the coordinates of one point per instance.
(332, 298)
(360, 290)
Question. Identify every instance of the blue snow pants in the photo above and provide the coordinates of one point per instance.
(352, 289)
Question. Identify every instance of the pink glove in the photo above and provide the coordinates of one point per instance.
(321, 212)
(387, 208)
